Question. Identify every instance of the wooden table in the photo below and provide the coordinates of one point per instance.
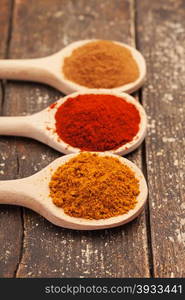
(154, 244)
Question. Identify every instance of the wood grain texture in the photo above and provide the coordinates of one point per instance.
(161, 32)
(5, 12)
(10, 217)
(47, 250)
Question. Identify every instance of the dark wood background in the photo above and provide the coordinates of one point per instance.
(153, 245)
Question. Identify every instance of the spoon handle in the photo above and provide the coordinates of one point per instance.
(16, 192)
(23, 69)
(14, 126)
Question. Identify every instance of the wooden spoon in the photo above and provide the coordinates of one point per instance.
(33, 192)
(49, 70)
(41, 126)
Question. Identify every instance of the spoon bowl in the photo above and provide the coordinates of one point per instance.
(41, 126)
(48, 69)
(33, 192)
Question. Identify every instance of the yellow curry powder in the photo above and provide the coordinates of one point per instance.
(101, 64)
(94, 187)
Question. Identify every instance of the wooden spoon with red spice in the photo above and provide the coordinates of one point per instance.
(33, 192)
(42, 126)
(48, 70)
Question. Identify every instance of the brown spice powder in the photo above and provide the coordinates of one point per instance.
(101, 64)
(94, 187)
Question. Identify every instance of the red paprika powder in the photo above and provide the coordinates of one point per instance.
(97, 122)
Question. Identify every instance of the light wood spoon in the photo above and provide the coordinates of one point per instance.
(41, 126)
(49, 70)
(33, 192)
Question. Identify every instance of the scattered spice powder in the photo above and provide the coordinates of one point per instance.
(97, 122)
(94, 187)
(53, 105)
(101, 64)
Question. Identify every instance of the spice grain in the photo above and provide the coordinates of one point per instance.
(101, 64)
(97, 122)
(94, 187)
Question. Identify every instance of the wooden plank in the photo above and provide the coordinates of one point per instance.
(50, 251)
(161, 34)
(4, 25)
(10, 217)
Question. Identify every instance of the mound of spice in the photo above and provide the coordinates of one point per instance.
(97, 122)
(101, 64)
(94, 187)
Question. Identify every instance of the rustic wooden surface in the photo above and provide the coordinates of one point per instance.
(151, 245)
(163, 45)
(11, 229)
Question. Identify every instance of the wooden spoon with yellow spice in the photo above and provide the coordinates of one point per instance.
(45, 192)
